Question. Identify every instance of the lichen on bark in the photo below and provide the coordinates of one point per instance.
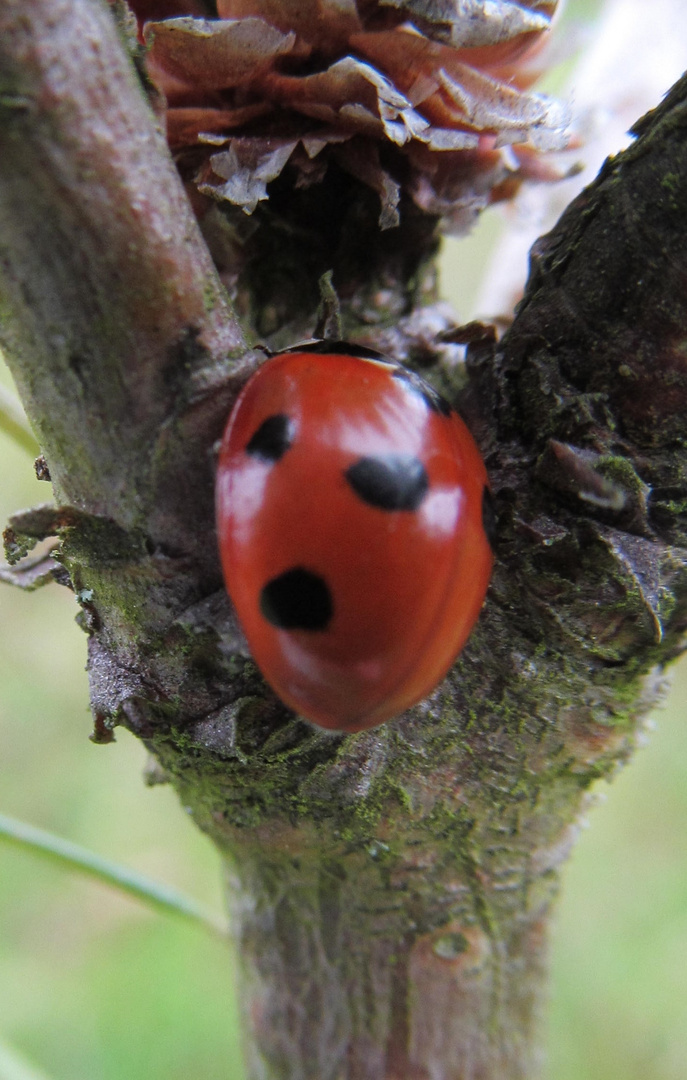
(390, 890)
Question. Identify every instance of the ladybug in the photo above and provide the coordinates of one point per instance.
(351, 531)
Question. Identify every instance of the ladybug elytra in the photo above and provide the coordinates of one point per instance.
(350, 521)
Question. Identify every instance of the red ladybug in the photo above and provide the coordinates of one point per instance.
(350, 519)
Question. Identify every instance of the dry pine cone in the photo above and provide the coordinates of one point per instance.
(426, 97)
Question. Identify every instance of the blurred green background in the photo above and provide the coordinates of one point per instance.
(94, 987)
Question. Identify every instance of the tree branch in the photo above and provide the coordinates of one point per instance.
(390, 889)
(114, 320)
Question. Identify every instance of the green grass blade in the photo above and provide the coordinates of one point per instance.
(14, 1066)
(74, 857)
(13, 423)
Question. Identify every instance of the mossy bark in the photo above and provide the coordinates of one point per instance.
(391, 890)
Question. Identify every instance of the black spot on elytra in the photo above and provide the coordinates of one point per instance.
(389, 481)
(298, 599)
(489, 515)
(272, 439)
(431, 397)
